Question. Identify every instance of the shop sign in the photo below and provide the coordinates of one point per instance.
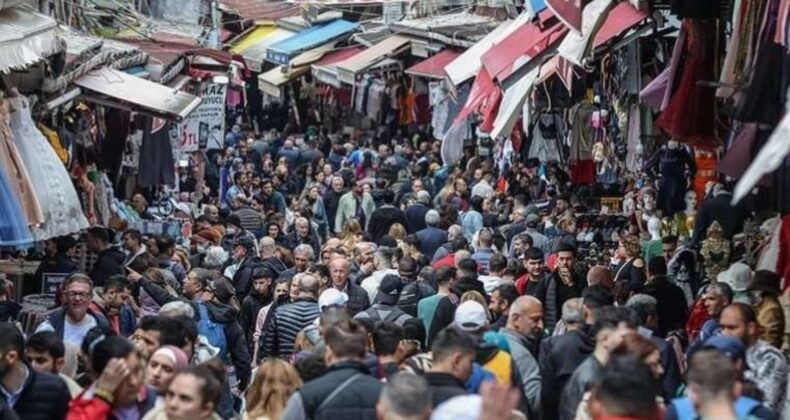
(50, 282)
(204, 127)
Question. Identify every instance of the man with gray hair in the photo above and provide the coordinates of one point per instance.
(303, 234)
(382, 259)
(405, 397)
(415, 214)
(454, 233)
(268, 256)
(432, 237)
(572, 317)
(646, 309)
(363, 263)
(303, 258)
(287, 321)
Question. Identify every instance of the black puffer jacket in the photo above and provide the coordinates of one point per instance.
(558, 358)
(284, 324)
(356, 401)
(44, 397)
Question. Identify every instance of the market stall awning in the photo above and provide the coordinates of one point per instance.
(282, 52)
(348, 2)
(26, 37)
(272, 81)
(569, 12)
(260, 11)
(348, 68)
(433, 67)
(621, 18)
(525, 43)
(252, 46)
(325, 70)
(121, 90)
(466, 65)
(512, 103)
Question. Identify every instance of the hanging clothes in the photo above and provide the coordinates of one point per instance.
(54, 141)
(582, 138)
(690, 115)
(157, 165)
(57, 197)
(547, 134)
(706, 163)
(14, 230)
(672, 164)
(14, 167)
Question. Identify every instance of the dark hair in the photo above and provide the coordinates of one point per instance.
(12, 339)
(451, 340)
(237, 175)
(104, 348)
(143, 262)
(711, 373)
(116, 282)
(171, 331)
(566, 247)
(408, 264)
(597, 296)
(746, 311)
(669, 239)
(165, 242)
(134, 234)
(497, 263)
(100, 233)
(626, 388)
(476, 203)
(657, 266)
(346, 339)
(190, 329)
(310, 366)
(467, 264)
(445, 275)
(533, 254)
(212, 375)
(610, 317)
(386, 338)
(64, 243)
(508, 292)
(47, 342)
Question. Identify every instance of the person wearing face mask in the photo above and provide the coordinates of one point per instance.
(244, 255)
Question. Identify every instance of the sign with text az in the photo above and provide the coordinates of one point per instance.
(204, 127)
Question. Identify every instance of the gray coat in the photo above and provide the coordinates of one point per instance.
(527, 367)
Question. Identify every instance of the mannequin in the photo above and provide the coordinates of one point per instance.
(629, 204)
(685, 219)
(706, 163)
(646, 209)
(715, 252)
(652, 247)
(673, 162)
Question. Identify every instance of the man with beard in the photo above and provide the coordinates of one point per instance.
(355, 204)
(502, 299)
(524, 328)
(109, 260)
(31, 394)
(532, 282)
(262, 294)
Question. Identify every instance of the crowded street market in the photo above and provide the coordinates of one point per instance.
(394, 209)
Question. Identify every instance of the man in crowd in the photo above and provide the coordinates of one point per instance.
(115, 305)
(432, 237)
(453, 354)
(57, 263)
(502, 299)
(109, 260)
(286, 321)
(415, 213)
(671, 301)
(75, 318)
(30, 393)
(533, 282)
(347, 389)
(47, 354)
(358, 299)
(355, 204)
(525, 327)
(767, 366)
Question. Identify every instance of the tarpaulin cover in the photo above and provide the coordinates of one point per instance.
(25, 38)
(271, 81)
(576, 45)
(466, 65)
(558, 66)
(253, 45)
(282, 52)
(482, 88)
(568, 11)
(325, 70)
(348, 68)
(537, 5)
(622, 17)
(768, 159)
(528, 41)
(139, 92)
(512, 101)
(433, 66)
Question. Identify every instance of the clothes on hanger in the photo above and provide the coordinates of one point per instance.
(57, 197)
(14, 167)
(548, 131)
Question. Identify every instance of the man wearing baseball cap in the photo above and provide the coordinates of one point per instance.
(384, 304)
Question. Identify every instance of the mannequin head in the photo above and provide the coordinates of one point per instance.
(691, 201)
(629, 204)
(654, 227)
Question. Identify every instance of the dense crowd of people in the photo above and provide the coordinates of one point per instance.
(332, 279)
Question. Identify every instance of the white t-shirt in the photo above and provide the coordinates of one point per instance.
(73, 334)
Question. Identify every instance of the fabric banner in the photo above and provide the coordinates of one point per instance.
(569, 12)
(203, 129)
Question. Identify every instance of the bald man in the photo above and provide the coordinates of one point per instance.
(287, 320)
(358, 300)
(524, 329)
(599, 274)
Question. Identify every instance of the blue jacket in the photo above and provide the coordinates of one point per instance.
(745, 407)
(431, 238)
(57, 320)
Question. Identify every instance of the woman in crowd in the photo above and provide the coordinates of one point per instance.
(631, 267)
(274, 383)
(193, 394)
(351, 235)
(163, 366)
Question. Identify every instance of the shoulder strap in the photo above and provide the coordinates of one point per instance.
(337, 392)
(393, 315)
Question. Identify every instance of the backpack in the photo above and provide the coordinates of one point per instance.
(392, 316)
(213, 331)
(410, 296)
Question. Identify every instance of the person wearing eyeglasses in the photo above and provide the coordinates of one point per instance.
(75, 318)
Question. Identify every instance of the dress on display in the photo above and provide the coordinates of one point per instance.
(706, 163)
(14, 230)
(55, 191)
(13, 166)
(672, 185)
(690, 114)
